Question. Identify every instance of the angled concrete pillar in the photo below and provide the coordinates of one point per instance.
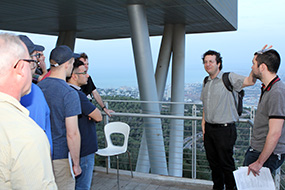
(163, 61)
(147, 87)
(66, 38)
(177, 95)
(161, 72)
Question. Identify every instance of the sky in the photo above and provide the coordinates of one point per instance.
(260, 22)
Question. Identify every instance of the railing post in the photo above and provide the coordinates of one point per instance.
(106, 121)
(277, 178)
(252, 115)
(194, 134)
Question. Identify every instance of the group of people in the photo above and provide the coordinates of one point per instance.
(47, 122)
(46, 118)
(267, 146)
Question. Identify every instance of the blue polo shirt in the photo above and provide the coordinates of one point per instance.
(36, 103)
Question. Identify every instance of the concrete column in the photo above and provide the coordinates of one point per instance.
(177, 95)
(163, 61)
(161, 73)
(66, 38)
(147, 87)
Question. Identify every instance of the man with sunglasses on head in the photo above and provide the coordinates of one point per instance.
(90, 89)
(24, 148)
(267, 146)
(35, 101)
(65, 107)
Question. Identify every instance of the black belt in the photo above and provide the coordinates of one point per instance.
(221, 124)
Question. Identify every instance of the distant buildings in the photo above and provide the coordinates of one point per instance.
(192, 93)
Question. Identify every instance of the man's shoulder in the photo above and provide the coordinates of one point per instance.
(235, 75)
(84, 100)
(278, 88)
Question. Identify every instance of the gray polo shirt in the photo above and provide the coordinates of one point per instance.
(271, 105)
(218, 102)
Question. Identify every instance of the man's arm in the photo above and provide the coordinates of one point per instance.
(249, 81)
(73, 142)
(274, 133)
(100, 102)
(96, 115)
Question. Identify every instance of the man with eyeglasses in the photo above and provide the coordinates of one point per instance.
(24, 148)
(64, 104)
(87, 127)
(41, 69)
(267, 146)
(35, 101)
(219, 117)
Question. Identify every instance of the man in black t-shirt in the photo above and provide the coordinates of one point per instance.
(90, 89)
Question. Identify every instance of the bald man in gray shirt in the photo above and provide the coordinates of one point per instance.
(219, 117)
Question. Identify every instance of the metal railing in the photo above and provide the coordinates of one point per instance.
(195, 164)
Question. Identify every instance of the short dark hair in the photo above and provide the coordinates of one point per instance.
(218, 57)
(77, 63)
(84, 56)
(270, 58)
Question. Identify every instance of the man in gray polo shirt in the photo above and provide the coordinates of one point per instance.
(267, 147)
(219, 117)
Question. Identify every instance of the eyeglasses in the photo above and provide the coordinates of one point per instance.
(37, 55)
(82, 73)
(33, 63)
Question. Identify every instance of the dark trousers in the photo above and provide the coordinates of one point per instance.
(273, 162)
(219, 141)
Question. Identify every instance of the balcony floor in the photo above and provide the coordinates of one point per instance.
(142, 181)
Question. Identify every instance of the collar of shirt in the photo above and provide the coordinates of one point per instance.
(219, 76)
(74, 86)
(264, 88)
(11, 100)
(276, 79)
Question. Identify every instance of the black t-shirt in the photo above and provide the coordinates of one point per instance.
(89, 87)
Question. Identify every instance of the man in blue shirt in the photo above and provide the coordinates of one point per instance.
(87, 126)
(35, 101)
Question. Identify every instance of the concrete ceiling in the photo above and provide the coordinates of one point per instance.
(108, 19)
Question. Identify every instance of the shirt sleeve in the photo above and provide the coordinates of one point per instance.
(276, 104)
(237, 81)
(72, 104)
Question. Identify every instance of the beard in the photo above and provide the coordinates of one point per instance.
(257, 75)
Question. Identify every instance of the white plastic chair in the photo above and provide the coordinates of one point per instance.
(114, 150)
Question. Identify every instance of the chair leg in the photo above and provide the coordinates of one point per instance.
(118, 172)
(130, 162)
(107, 165)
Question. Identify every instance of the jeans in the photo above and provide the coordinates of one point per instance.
(83, 181)
(219, 142)
(273, 162)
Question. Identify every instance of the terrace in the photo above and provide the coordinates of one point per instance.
(195, 172)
